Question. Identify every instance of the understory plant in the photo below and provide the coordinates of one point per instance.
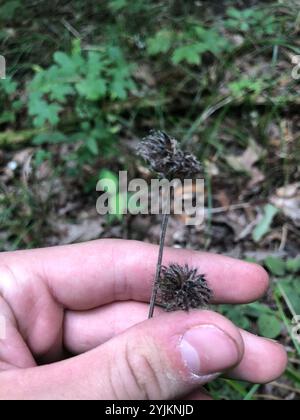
(78, 93)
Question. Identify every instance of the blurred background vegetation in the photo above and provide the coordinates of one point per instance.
(86, 79)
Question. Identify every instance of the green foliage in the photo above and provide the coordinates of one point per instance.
(9, 106)
(269, 321)
(117, 5)
(161, 42)
(246, 87)
(9, 9)
(8, 86)
(23, 216)
(243, 314)
(251, 21)
(82, 82)
(275, 265)
(41, 156)
(188, 45)
(269, 326)
(132, 8)
(293, 265)
(237, 315)
(264, 225)
(287, 274)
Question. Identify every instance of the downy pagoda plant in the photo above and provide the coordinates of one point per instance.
(175, 287)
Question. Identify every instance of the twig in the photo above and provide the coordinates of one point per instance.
(295, 361)
(71, 29)
(286, 387)
(268, 397)
(284, 237)
(164, 226)
(225, 209)
(205, 115)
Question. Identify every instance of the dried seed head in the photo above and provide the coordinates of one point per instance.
(182, 288)
(165, 157)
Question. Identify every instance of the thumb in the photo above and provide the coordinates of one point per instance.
(162, 358)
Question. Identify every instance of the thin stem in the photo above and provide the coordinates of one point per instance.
(164, 226)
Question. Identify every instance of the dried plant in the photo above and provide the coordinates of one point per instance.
(182, 288)
(165, 157)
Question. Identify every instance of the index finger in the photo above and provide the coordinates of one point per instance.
(85, 276)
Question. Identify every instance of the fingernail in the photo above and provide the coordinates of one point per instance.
(207, 350)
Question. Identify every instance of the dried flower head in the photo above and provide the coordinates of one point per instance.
(165, 157)
(182, 288)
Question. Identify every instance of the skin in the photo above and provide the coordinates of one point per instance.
(89, 301)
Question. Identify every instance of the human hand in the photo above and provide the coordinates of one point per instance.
(90, 301)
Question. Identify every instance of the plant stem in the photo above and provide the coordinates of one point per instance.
(164, 226)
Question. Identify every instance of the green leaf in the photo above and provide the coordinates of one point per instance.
(8, 85)
(233, 13)
(252, 392)
(246, 86)
(276, 266)
(269, 326)
(189, 53)
(60, 91)
(9, 9)
(76, 47)
(92, 89)
(244, 26)
(95, 65)
(250, 19)
(118, 89)
(7, 117)
(54, 137)
(264, 225)
(293, 265)
(92, 146)
(42, 111)
(210, 40)
(17, 105)
(255, 309)
(69, 65)
(41, 156)
(160, 43)
(237, 315)
(117, 5)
